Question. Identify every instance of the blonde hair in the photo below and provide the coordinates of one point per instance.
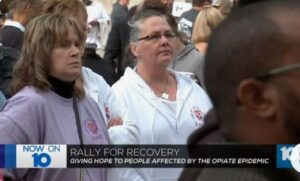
(41, 35)
(224, 6)
(207, 19)
(71, 8)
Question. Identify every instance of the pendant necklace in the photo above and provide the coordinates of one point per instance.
(164, 93)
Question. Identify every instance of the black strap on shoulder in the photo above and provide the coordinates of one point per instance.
(75, 107)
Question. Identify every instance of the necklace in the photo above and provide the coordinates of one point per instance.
(164, 93)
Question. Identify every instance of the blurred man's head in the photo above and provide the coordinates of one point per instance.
(73, 8)
(254, 104)
(24, 10)
(169, 4)
(4, 6)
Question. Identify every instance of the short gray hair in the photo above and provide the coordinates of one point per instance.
(138, 19)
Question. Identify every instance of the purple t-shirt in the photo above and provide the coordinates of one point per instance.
(44, 117)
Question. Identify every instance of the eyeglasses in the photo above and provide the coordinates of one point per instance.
(278, 71)
(157, 36)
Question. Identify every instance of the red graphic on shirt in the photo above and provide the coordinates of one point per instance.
(91, 127)
(197, 114)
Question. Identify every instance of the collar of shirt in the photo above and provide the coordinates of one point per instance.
(14, 24)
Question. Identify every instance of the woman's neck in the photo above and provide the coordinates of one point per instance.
(160, 81)
(62, 88)
(154, 75)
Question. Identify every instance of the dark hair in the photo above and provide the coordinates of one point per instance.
(248, 43)
(4, 6)
(243, 3)
(198, 3)
(157, 5)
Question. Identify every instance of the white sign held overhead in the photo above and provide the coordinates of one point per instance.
(180, 7)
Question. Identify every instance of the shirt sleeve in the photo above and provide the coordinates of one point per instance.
(21, 121)
(127, 133)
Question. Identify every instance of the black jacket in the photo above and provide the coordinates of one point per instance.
(12, 37)
(8, 59)
(98, 65)
(118, 38)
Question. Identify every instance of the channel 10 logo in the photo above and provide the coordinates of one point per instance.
(41, 156)
(288, 156)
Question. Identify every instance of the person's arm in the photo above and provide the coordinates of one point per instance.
(125, 134)
(97, 88)
(113, 48)
(21, 122)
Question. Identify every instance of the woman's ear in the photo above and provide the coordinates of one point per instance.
(257, 97)
(133, 49)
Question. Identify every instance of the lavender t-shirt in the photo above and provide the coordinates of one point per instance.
(43, 117)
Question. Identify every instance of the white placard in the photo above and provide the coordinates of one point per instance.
(180, 7)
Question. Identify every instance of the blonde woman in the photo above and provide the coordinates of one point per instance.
(207, 20)
(49, 105)
(94, 84)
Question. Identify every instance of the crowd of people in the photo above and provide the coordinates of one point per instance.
(223, 72)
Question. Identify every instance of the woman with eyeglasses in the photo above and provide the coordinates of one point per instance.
(166, 106)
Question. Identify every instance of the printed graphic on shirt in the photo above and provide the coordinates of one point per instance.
(197, 115)
(92, 128)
